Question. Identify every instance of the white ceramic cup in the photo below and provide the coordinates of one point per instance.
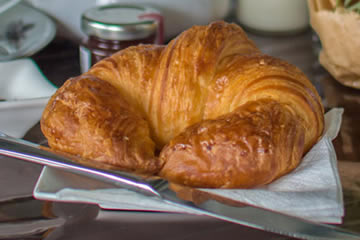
(273, 16)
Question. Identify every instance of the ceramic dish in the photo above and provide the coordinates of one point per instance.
(24, 30)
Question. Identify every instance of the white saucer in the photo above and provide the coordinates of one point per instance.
(33, 29)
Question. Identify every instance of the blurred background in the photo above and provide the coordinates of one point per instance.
(259, 15)
(178, 15)
(72, 23)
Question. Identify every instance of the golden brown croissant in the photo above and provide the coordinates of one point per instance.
(220, 112)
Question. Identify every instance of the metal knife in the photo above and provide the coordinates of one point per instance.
(246, 215)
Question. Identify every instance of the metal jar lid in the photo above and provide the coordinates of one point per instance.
(119, 22)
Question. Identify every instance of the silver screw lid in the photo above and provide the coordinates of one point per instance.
(119, 22)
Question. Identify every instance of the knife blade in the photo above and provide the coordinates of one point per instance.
(266, 220)
(247, 215)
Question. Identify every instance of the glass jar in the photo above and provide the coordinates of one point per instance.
(111, 28)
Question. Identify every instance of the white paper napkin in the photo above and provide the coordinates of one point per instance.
(312, 191)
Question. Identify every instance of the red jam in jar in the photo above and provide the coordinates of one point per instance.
(111, 28)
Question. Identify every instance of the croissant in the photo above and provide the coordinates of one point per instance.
(207, 110)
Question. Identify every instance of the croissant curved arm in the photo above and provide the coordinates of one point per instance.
(87, 117)
(250, 146)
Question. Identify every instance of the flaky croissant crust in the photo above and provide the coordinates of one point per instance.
(219, 112)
